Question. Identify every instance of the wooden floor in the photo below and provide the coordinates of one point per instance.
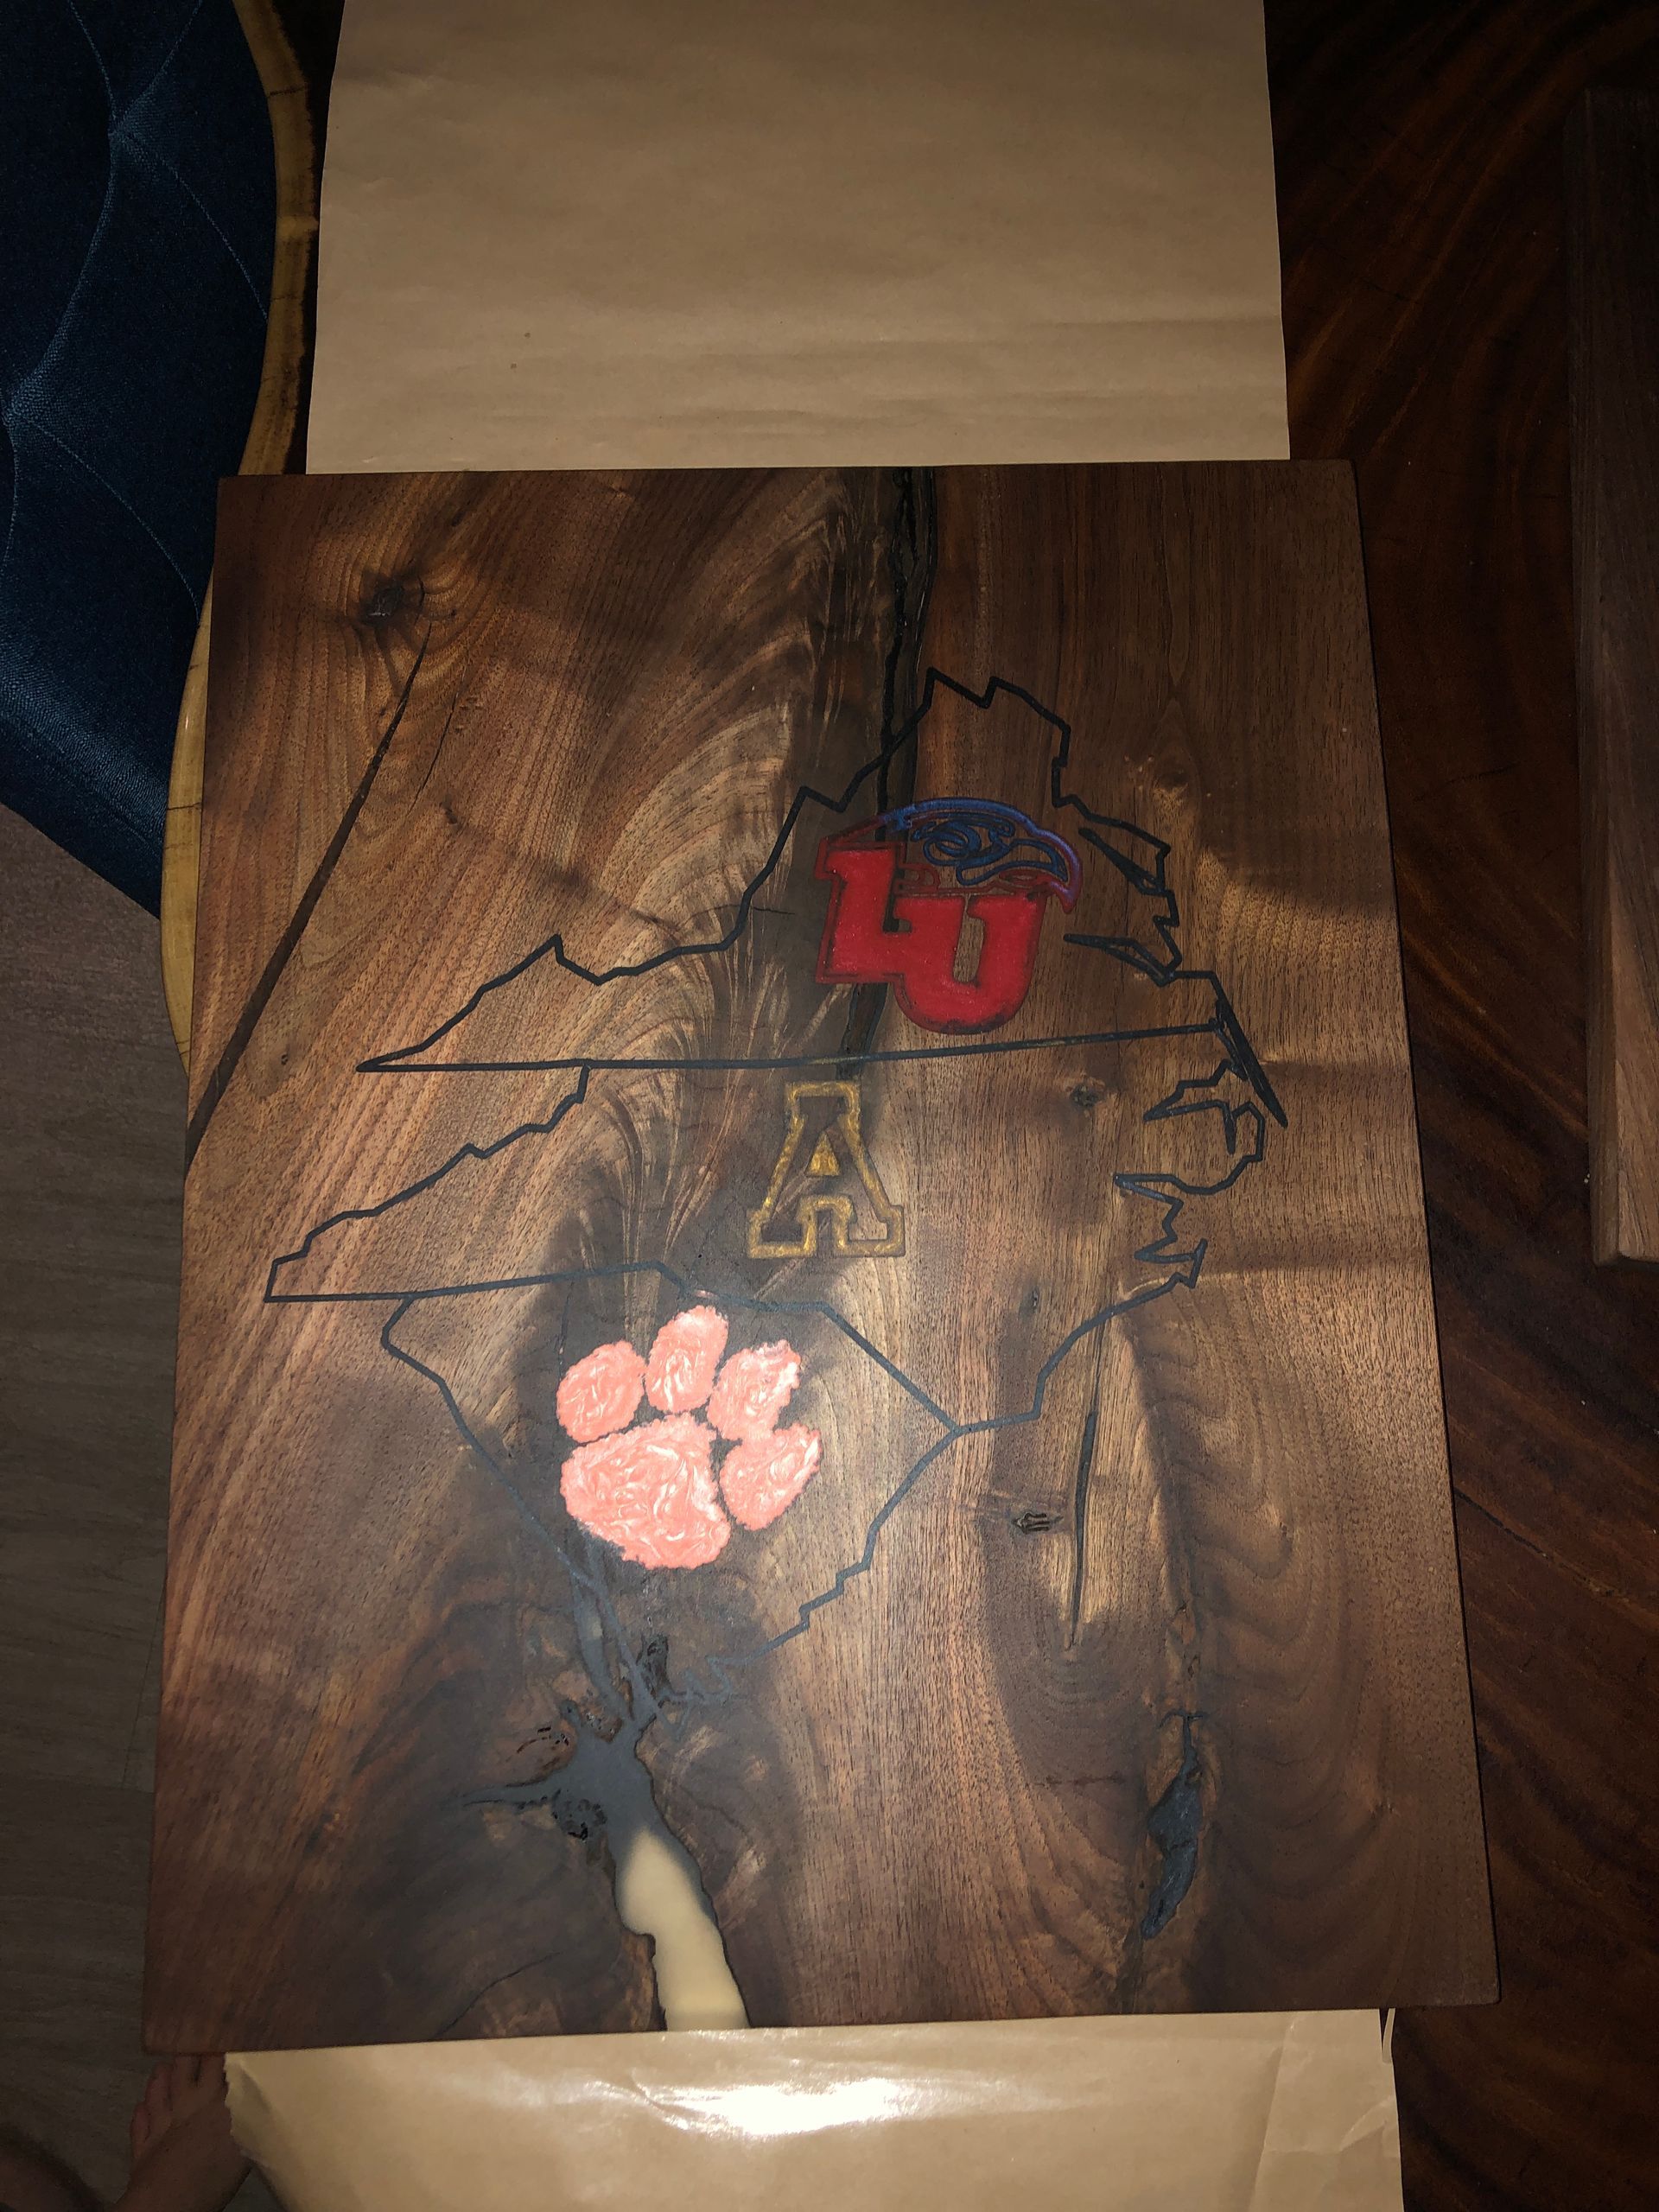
(91, 1106)
(1420, 155)
(1419, 152)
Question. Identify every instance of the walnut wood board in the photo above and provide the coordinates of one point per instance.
(1613, 199)
(1112, 1657)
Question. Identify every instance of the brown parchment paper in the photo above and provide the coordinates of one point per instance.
(1233, 2113)
(726, 232)
(591, 233)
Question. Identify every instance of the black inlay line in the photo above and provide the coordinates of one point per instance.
(590, 1635)
(913, 561)
(527, 1513)
(238, 1042)
(573, 1097)
(719, 1667)
(1080, 1508)
(976, 1048)
(552, 947)
(644, 1706)
(469, 1435)
(1169, 1192)
(1233, 1030)
(685, 1286)
(1190, 1266)
(1167, 1109)
(1141, 858)
(1185, 1276)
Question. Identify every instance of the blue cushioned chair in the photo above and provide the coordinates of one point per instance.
(136, 174)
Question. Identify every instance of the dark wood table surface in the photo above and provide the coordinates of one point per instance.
(1421, 195)
(1421, 199)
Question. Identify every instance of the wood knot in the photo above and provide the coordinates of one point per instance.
(385, 602)
(1086, 1096)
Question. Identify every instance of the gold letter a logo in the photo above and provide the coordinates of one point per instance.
(823, 1174)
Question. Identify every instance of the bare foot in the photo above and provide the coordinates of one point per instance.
(183, 2157)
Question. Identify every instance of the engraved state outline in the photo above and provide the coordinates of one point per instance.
(1151, 879)
(1170, 1192)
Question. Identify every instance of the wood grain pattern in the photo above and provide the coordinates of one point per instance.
(1419, 152)
(1613, 207)
(1114, 1660)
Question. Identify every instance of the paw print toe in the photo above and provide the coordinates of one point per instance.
(684, 1355)
(752, 1389)
(601, 1393)
(759, 1480)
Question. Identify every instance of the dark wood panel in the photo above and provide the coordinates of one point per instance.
(1420, 159)
(940, 923)
(1613, 208)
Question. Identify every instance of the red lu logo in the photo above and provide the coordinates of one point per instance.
(903, 885)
